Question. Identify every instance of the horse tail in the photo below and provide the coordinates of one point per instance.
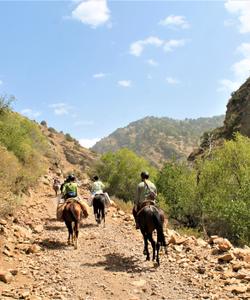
(159, 227)
(76, 214)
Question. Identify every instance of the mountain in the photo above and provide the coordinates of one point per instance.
(159, 139)
(237, 120)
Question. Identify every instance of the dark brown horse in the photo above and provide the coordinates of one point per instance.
(99, 208)
(72, 214)
(150, 219)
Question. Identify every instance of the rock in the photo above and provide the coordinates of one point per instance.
(7, 253)
(200, 242)
(3, 222)
(22, 232)
(139, 283)
(121, 213)
(226, 257)
(38, 229)
(6, 277)
(33, 249)
(237, 289)
(201, 269)
(236, 266)
(242, 254)
(223, 244)
(14, 272)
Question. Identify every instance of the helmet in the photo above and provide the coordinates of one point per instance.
(144, 175)
(71, 177)
(95, 178)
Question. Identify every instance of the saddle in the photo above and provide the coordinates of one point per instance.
(144, 204)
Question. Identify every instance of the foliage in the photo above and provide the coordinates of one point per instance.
(215, 194)
(224, 188)
(24, 146)
(5, 103)
(121, 172)
(69, 138)
(177, 184)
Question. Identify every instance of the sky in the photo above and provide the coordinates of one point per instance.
(90, 67)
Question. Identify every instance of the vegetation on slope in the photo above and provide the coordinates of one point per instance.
(22, 146)
(159, 139)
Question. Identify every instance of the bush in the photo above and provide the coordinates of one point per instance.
(225, 189)
(69, 138)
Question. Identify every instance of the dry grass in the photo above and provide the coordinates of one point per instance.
(125, 206)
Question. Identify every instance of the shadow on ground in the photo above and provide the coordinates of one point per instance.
(54, 227)
(52, 244)
(119, 263)
(87, 225)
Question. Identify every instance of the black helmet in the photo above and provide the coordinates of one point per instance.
(95, 178)
(71, 177)
(144, 175)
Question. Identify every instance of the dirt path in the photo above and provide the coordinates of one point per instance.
(108, 264)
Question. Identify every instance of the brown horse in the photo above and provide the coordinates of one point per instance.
(150, 219)
(72, 214)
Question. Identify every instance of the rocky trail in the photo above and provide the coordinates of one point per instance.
(36, 263)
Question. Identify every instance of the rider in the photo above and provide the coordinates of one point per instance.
(69, 189)
(97, 188)
(146, 192)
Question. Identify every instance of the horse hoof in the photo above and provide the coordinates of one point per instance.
(144, 252)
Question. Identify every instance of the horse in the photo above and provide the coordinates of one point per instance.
(56, 186)
(72, 213)
(150, 219)
(99, 208)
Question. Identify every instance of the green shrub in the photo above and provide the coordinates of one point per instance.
(121, 172)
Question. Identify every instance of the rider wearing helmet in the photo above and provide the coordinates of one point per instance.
(69, 189)
(97, 188)
(146, 192)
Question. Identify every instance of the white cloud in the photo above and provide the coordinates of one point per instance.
(244, 49)
(30, 113)
(172, 44)
(152, 62)
(92, 12)
(125, 83)
(241, 8)
(88, 143)
(175, 22)
(172, 81)
(137, 47)
(240, 69)
(100, 75)
(60, 108)
(226, 85)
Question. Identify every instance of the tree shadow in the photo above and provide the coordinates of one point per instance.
(52, 244)
(115, 262)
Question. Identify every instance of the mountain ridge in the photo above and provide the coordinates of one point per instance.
(159, 139)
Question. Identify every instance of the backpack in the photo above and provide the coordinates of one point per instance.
(151, 194)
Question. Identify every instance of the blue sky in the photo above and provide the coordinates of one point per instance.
(89, 67)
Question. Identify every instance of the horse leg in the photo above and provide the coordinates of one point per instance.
(145, 251)
(70, 231)
(76, 232)
(103, 216)
(150, 237)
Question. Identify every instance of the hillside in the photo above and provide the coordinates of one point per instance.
(236, 120)
(29, 150)
(159, 139)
